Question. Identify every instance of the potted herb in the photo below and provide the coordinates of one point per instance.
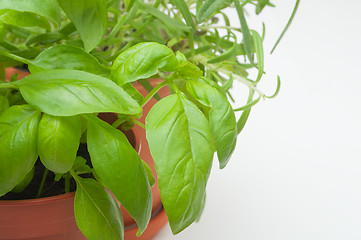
(85, 58)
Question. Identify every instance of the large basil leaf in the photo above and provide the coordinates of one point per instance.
(18, 153)
(221, 117)
(143, 61)
(23, 19)
(120, 168)
(25, 182)
(90, 19)
(149, 172)
(49, 8)
(58, 141)
(96, 213)
(180, 140)
(71, 92)
(3, 32)
(68, 57)
(4, 104)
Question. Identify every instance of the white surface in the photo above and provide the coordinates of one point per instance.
(296, 172)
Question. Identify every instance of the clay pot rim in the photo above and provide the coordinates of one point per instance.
(43, 200)
(64, 196)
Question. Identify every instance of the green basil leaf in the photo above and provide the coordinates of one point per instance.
(180, 140)
(23, 19)
(4, 104)
(209, 8)
(96, 212)
(3, 32)
(25, 182)
(80, 166)
(120, 168)
(142, 61)
(68, 57)
(58, 141)
(90, 18)
(70, 92)
(180, 57)
(221, 117)
(149, 173)
(187, 70)
(18, 132)
(49, 8)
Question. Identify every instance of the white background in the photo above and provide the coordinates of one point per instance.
(296, 171)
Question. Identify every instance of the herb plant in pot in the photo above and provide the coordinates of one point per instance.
(89, 60)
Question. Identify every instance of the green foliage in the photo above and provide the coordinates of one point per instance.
(58, 141)
(23, 19)
(180, 141)
(120, 169)
(18, 132)
(221, 118)
(49, 9)
(4, 104)
(142, 61)
(25, 182)
(89, 18)
(207, 9)
(96, 212)
(71, 92)
(84, 58)
(67, 57)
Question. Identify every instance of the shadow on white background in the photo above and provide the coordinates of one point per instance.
(296, 171)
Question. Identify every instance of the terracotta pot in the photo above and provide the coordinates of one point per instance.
(52, 218)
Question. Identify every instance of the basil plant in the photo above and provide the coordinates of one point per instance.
(83, 57)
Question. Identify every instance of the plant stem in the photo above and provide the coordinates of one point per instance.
(7, 85)
(175, 88)
(117, 123)
(219, 27)
(15, 57)
(152, 93)
(67, 183)
(244, 3)
(45, 174)
(191, 44)
(139, 123)
(117, 27)
(243, 80)
(74, 175)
